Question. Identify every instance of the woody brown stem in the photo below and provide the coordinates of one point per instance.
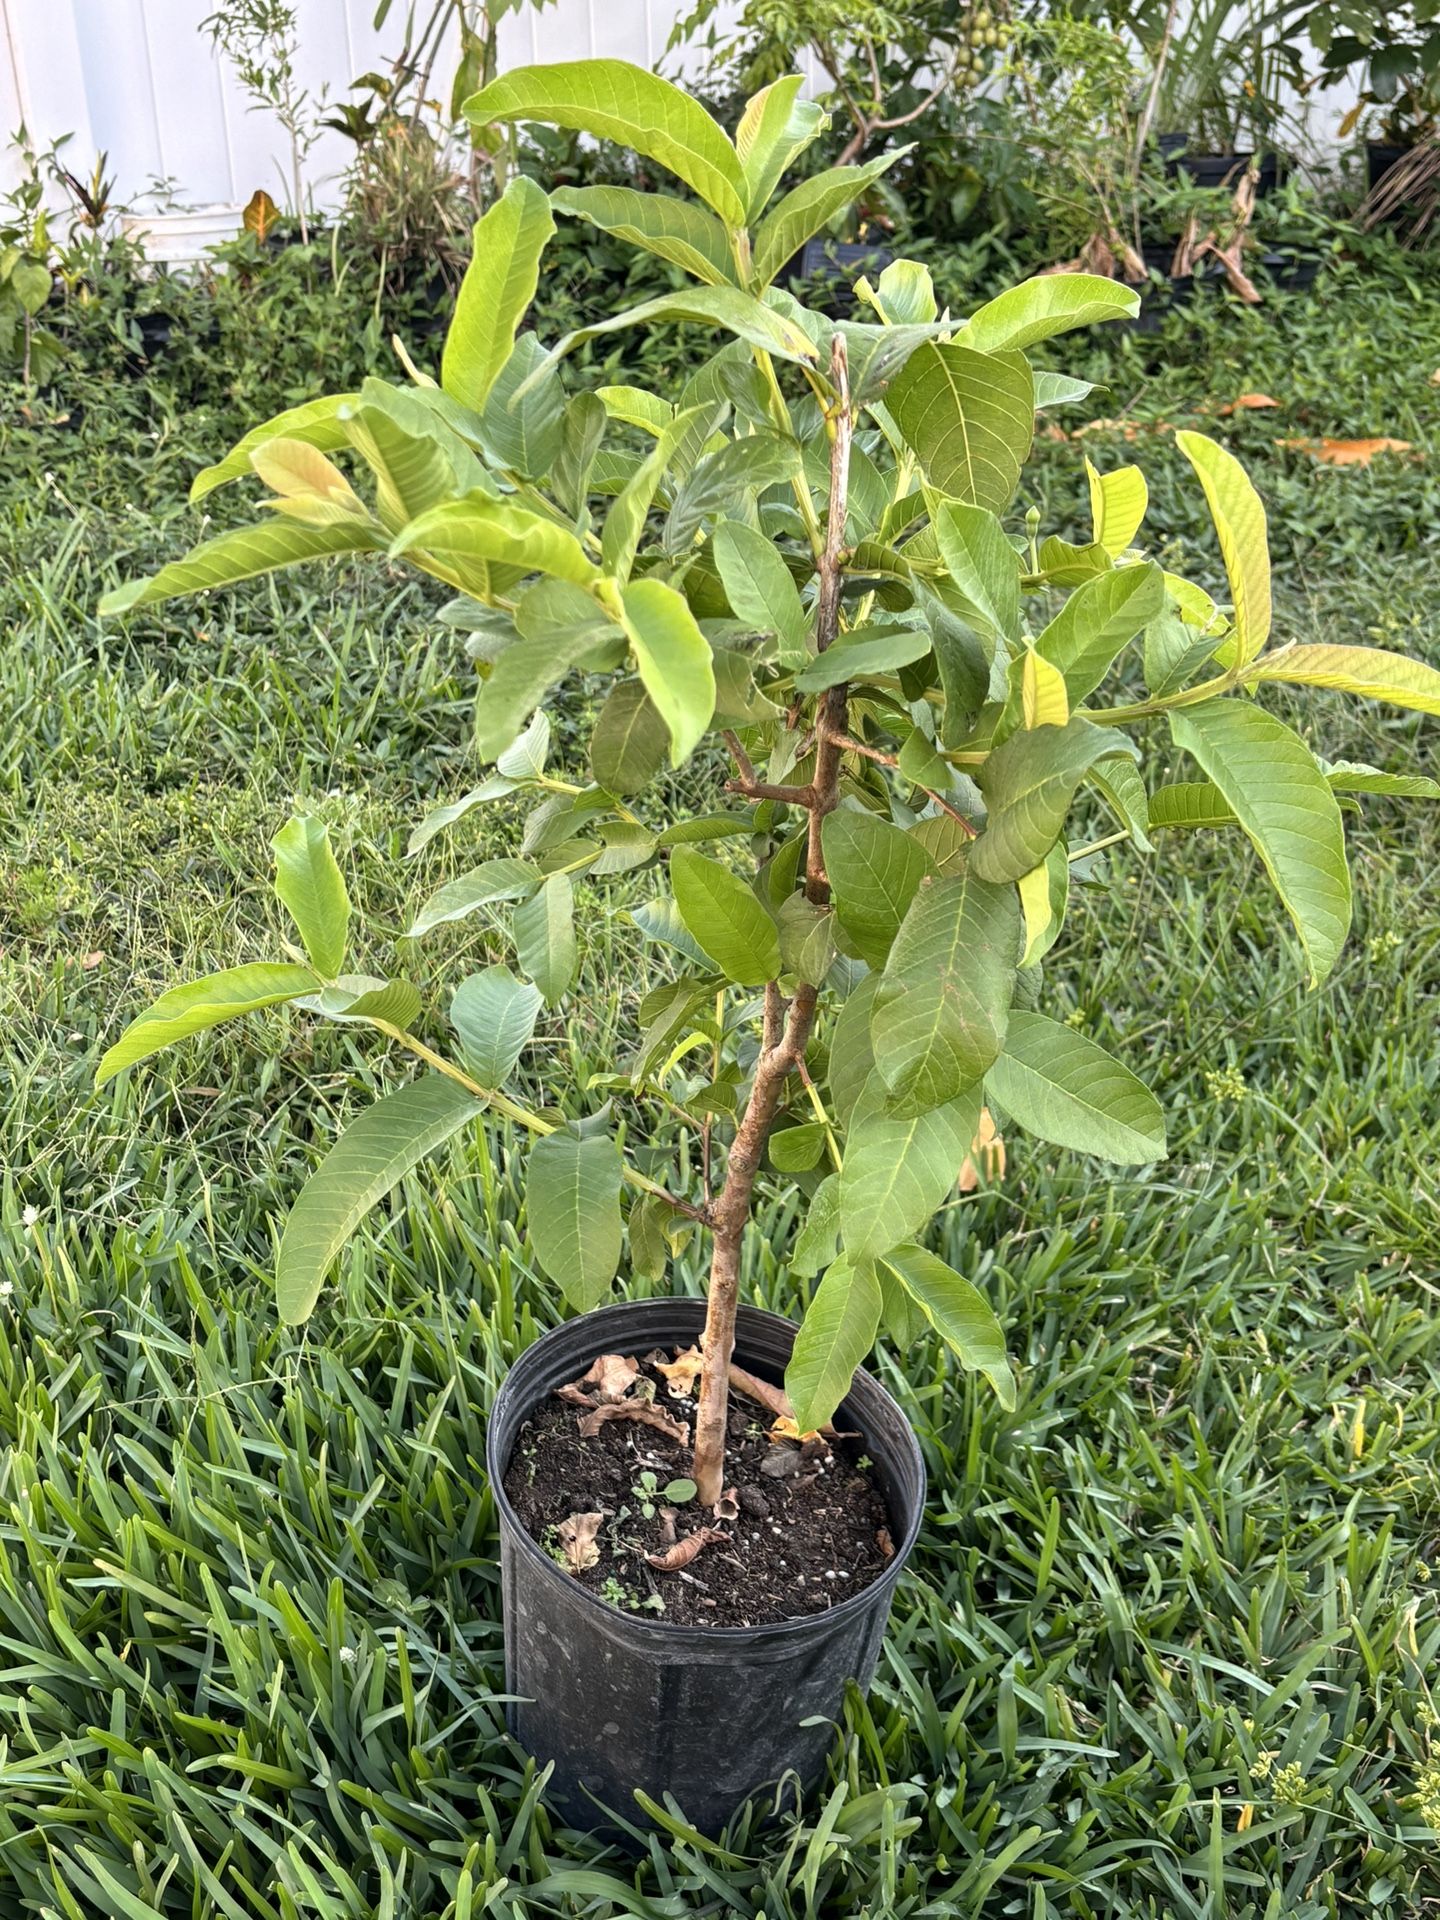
(785, 1040)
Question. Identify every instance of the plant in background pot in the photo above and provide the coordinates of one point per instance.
(799, 564)
(1213, 98)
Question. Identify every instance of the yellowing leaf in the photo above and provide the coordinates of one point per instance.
(1118, 500)
(1239, 516)
(1043, 700)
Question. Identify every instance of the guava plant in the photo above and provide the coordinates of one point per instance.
(805, 560)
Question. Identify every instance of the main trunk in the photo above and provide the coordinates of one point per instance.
(782, 1052)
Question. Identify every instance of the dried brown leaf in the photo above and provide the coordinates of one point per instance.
(684, 1551)
(647, 1416)
(612, 1375)
(577, 1536)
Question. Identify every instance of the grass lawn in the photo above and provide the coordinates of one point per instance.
(1167, 1648)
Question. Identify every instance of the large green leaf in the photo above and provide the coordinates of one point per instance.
(201, 1004)
(959, 1313)
(545, 942)
(1097, 621)
(572, 1211)
(1353, 776)
(498, 287)
(1049, 304)
(315, 424)
(897, 1171)
(417, 460)
(874, 870)
(625, 521)
(1189, 803)
(1118, 500)
(311, 885)
(969, 418)
(523, 426)
(1372, 672)
(837, 1332)
(739, 313)
(726, 918)
(984, 568)
(361, 997)
(487, 885)
(676, 230)
(630, 742)
(724, 484)
(939, 1016)
(862, 654)
(1284, 803)
(1063, 1088)
(1028, 784)
(759, 586)
(496, 531)
(616, 101)
(1239, 516)
(494, 1017)
(379, 1147)
(240, 555)
(674, 661)
(809, 207)
(775, 127)
(521, 678)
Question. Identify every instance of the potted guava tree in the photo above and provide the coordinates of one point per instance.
(803, 564)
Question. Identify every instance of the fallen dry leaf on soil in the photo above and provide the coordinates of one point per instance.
(1348, 453)
(612, 1375)
(577, 1536)
(1246, 403)
(684, 1551)
(681, 1373)
(647, 1416)
(885, 1543)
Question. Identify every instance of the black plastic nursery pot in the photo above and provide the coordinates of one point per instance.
(1220, 169)
(1381, 158)
(830, 268)
(710, 1715)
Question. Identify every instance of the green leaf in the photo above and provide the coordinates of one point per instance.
(572, 1212)
(1118, 500)
(526, 759)
(676, 230)
(1190, 803)
(852, 1056)
(958, 1312)
(312, 888)
(797, 1149)
(1372, 672)
(837, 1332)
(969, 418)
(1283, 801)
(1049, 304)
(201, 1004)
(723, 485)
(613, 100)
(807, 938)
(776, 126)
(241, 555)
(1352, 776)
(523, 426)
(818, 1241)
(1239, 516)
(497, 289)
(674, 661)
(315, 424)
(496, 532)
(861, 654)
(1028, 784)
(905, 294)
(897, 1171)
(940, 1013)
(739, 313)
(625, 522)
(417, 461)
(519, 681)
(1174, 652)
(874, 870)
(811, 206)
(375, 1152)
(362, 997)
(544, 927)
(1097, 621)
(1044, 895)
(726, 918)
(984, 568)
(494, 1017)
(630, 742)
(1064, 1089)
(1059, 389)
(1118, 779)
(484, 886)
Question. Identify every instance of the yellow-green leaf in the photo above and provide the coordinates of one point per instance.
(1239, 516)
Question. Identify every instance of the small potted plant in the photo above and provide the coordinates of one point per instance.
(1213, 99)
(807, 568)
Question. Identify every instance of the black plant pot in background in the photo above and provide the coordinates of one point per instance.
(1218, 169)
(828, 270)
(1291, 271)
(1380, 159)
(712, 1715)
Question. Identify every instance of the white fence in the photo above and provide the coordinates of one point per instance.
(137, 80)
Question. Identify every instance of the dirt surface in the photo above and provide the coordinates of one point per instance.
(800, 1527)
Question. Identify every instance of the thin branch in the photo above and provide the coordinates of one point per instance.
(764, 790)
(847, 743)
